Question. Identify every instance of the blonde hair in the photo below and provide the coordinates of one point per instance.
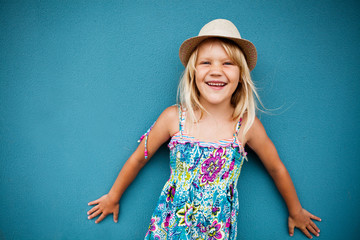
(243, 99)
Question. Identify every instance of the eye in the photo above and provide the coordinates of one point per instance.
(205, 62)
(228, 63)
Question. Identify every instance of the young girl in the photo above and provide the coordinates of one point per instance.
(208, 131)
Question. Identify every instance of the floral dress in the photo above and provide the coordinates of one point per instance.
(200, 200)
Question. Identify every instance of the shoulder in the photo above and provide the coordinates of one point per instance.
(171, 113)
(257, 125)
(256, 133)
(251, 126)
(169, 119)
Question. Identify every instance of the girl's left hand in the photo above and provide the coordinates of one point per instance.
(302, 220)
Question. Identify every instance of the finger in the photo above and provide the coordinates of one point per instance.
(306, 232)
(312, 230)
(94, 214)
(94, 202)
(314, 226)
(93, 210)
(116, 216)
(315, 217)
(291, 230)
(102, 216)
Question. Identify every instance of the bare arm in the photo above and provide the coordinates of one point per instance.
(258, 140)
(165, 126)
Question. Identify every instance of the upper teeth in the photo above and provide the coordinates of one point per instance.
(216, 84)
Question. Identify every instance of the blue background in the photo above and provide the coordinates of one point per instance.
(80, 81)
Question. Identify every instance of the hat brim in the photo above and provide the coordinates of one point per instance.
(189, 45)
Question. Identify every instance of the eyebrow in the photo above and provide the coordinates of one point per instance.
(221, 60)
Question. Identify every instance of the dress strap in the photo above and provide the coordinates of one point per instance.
(237, 128)
(238, 125)
(236, 139)
(181, 122)
(146, 139)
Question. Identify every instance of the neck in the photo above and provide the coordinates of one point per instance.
(218, 111)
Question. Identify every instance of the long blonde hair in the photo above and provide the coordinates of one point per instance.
(243, 99)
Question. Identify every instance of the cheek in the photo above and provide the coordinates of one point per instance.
(237, 88)
(200, 73)
(234, 73)
(236, 76)
(238, 85)
(196, 85)
(197, 76)
(198, 80)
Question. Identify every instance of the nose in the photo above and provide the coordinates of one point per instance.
(215, 70)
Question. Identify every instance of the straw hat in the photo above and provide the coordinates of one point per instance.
(219, 28)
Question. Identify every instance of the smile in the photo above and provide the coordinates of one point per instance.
(216, 84)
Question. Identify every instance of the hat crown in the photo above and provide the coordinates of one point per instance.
(221, 28)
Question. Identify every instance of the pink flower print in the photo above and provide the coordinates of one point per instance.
(232, 165)
(152, 226)
(214, 231)
(171, 193)
(226, 174)
(231, 192)
(228, 223)
(167, 220)
(212, 166)
(201, 227)
(215, 210)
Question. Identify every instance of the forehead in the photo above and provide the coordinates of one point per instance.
(212, 47)
(210, 43)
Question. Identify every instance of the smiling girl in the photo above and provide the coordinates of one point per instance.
(208, 130)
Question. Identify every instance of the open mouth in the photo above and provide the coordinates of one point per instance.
(216, 84)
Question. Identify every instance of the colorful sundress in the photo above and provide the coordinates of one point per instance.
(200, 200)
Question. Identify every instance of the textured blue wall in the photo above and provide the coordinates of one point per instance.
(80, 81)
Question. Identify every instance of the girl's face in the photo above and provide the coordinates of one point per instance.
(216, 75)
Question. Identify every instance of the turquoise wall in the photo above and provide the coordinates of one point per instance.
(80, 81)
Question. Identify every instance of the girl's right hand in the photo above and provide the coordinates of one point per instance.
(104, 206)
